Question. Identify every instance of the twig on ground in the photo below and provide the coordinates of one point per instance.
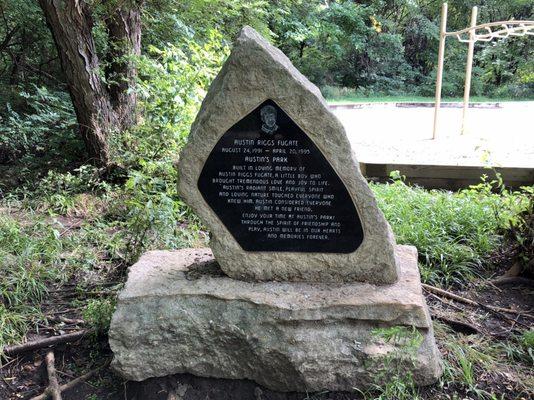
(506, 317)
(66, 374)
(44, 327)
(447, 303)
(3, 366)
(465, 300)
(512, 280)
(91, 285)
(53, 386)
(9, 384)
(490, 283)
(496, 310)
(458, 326)
(73, 226)
(40, 343)
(74, 382)
(65, 311)
(65, 320)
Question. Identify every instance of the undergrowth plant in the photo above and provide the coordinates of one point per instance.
(73, 225)
(172, 83)
(471, 363)
(393, 377)
(454, 232)
(38, 253)
(45, 133)
(98, 314)
(29, 256)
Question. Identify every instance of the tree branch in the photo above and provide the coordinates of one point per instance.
(9, 35)
(53, 385)
(40, 343)
(74, 382)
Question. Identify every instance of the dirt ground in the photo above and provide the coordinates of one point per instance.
(25, 376)
(496, 134)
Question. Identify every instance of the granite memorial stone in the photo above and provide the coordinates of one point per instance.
(270, 171)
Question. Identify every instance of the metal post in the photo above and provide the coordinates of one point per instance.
(469, 67)
(439, 77)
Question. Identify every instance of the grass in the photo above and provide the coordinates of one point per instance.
(471, 362)
(71, 228)
(334, 94)
(472, 365)
(453, 232)
(392, 378)
(32, 254)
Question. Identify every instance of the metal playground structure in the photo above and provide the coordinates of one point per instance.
(474, 33)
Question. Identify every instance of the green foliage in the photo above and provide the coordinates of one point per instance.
(520, 233)
(28, 255)
(393, 377)
(154, 214)
(421, 38)
(466, 370)
(56, 192)
(13, 325)
(376, 47)
(169, 21)
(97, 313)
(453, 232)
(470, 361)
(527, 340)
(36, 252)
(344, 44)
(409, 338)
(172, 83)
(391, 47)
(24, 260)
(507, 67)
(27, 51)
(45, 130)
(519, 348)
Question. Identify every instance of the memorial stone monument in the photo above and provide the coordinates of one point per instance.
(305, 274)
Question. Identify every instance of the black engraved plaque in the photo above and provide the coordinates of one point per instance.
(275, 191)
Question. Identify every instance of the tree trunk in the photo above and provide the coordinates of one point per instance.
(71, 24)
(124, 32)
(100, 109)
(18, 59)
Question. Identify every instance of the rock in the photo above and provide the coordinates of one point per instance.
(179, 313)
(256, 72)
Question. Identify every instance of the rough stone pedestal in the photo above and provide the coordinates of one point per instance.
(179, 314)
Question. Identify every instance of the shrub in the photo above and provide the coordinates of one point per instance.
(46, 130)
(520, 233)
(172, 83)
(453, 232)
(97, 314)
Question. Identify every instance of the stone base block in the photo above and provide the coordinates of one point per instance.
(180, 314)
